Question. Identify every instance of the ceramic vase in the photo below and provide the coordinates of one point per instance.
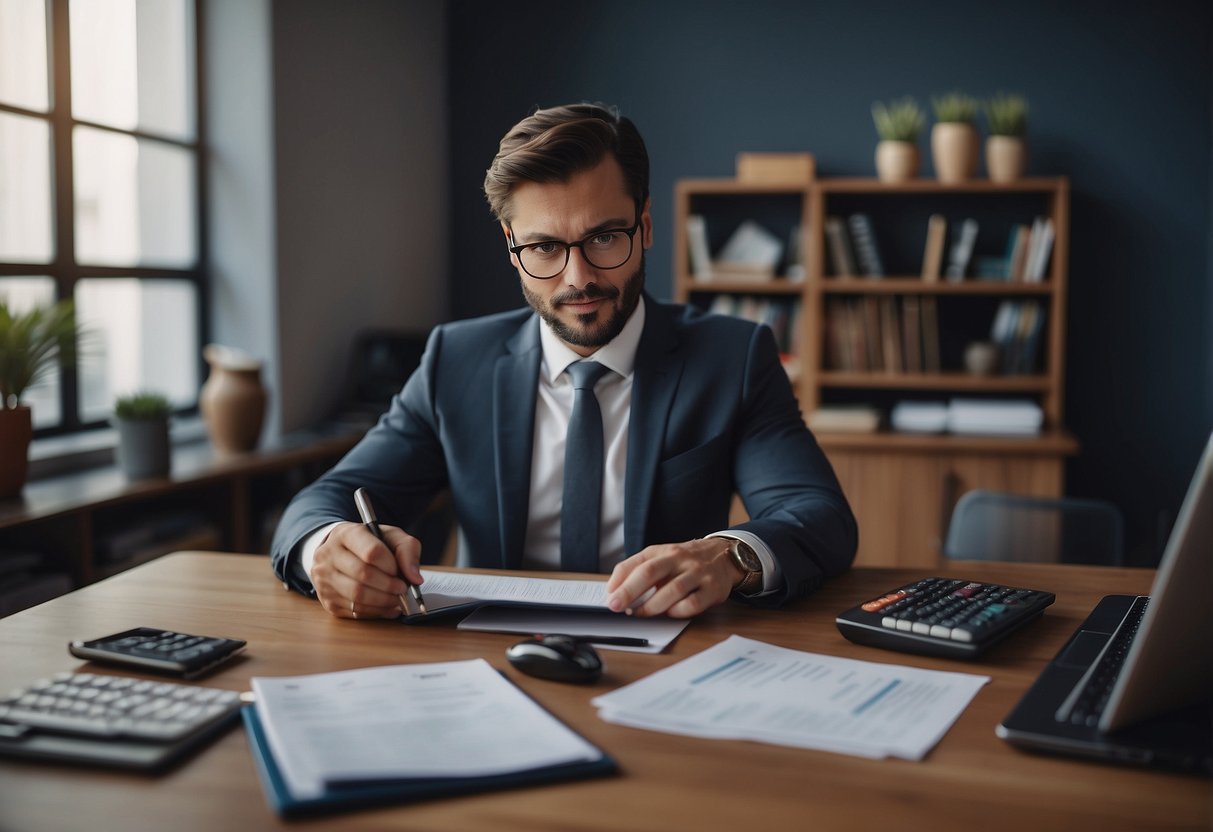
(16, 431)
(896, 161)
(1006, 158)
(143, 447)
(954, 151)
(232, 400)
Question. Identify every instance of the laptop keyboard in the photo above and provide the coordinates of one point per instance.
(1085, 705)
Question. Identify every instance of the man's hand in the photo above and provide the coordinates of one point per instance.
(357, 576)
(685, 578)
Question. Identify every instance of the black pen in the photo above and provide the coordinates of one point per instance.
(621, 641)
(363, 500)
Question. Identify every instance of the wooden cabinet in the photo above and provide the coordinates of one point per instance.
(902, 486)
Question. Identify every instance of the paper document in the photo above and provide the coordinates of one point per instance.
(460, 589)
(449, 719)
(746, 689)
(660, 631)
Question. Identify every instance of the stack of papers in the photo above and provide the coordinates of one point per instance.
(458, 719)
(1002, 417)
(743, 689)
(919, 417)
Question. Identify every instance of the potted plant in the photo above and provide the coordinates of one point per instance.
(1006, 146)
(31, 345)
(954, 138)
(142, 423)
(898, 124)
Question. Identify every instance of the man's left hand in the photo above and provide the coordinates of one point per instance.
(685, 578)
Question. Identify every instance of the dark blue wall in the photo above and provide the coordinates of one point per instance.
(1121, 103)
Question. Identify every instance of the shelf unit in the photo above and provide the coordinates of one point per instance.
(225, 501)
(903, 486)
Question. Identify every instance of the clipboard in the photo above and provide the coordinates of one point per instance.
(362, 795)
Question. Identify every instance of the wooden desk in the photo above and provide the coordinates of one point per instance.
(971, 780)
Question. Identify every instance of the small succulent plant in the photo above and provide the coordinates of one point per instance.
(898, 121)
(954, 107)
(1007, 115)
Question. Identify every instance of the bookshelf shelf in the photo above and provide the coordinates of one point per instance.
(847, 332)
(954, 382)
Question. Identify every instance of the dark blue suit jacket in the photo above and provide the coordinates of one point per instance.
(712, 414)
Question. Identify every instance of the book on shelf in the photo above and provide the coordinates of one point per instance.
(751, 250)
(838, 244)
(782, 315)
(844, 418)
(1017, 330)
(794, 269)
(697, 245)
(930, 335)
(867, 252)
(1017, 253)
(1039, 249)
(932, 257)
(989, 267)
(911, 332)
(890, 336)
(961, 252)
(873, 347)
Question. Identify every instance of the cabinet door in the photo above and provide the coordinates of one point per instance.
(903, 501)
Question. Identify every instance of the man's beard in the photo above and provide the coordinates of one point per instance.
(587, 336)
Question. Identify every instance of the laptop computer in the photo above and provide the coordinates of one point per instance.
(1134, 684)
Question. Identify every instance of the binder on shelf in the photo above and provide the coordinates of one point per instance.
(697, 244)
(842, 260)
(932, 257)
(867, 253)
(962, 251)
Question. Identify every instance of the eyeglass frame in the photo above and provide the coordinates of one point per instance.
(517, 250)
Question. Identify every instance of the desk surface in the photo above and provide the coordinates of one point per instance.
(970, 780)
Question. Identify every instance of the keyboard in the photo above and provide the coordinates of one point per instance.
(943, 617)
(112, 720)
(1086, 702)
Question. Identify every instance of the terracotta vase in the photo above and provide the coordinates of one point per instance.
(1006, 158)
(896, 161)
(954, 150)
(232, 400)
(16, 431)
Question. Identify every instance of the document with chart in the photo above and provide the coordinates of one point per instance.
(749, 690)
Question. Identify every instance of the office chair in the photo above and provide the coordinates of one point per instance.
(990, 525)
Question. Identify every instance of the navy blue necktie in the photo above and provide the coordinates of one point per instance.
(582, 505)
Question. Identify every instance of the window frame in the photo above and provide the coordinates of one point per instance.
(63, 269)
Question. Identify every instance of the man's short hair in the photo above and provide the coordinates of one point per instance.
(553, 144)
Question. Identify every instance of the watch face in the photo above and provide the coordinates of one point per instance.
(748, 557)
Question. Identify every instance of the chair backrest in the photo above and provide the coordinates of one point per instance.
(990, 525)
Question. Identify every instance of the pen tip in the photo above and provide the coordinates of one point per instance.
(423, 609)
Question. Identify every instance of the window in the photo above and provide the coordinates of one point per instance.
(101, 194)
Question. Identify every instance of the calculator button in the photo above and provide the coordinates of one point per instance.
(940, 631)
(921, 628)
(960, 634)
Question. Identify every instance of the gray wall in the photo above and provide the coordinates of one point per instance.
(1121, 102)
(360, 138)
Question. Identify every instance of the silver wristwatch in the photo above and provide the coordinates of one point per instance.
(749, 563)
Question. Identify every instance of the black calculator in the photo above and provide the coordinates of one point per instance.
(166, 651)
(943, 617)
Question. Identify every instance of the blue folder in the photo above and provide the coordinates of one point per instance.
(380, 792)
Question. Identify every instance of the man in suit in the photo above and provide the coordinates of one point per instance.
(692, 407)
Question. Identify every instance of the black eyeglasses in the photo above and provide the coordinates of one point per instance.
(607, 249)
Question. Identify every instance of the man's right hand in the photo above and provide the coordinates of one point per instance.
(358, 576)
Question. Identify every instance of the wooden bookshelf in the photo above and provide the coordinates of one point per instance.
(903, 486)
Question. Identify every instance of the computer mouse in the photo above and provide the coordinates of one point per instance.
(556, 657)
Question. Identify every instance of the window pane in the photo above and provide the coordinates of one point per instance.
(25, 189)
(135, 202)
(132, 64)
(143, 335)
(23, 54)
(21, 294)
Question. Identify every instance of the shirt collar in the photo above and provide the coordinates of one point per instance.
(618, 355)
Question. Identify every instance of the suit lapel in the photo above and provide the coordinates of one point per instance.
(515, 379)
(658, 368)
